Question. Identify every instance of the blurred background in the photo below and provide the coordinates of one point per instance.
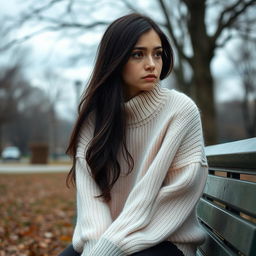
(47, 51)
(48, 48)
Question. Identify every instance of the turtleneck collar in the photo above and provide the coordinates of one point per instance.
(144, 105)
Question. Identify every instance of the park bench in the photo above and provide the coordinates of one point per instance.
(227, 209)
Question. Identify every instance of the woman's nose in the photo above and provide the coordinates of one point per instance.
(150, 64)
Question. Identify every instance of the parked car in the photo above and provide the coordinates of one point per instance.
(11, 153)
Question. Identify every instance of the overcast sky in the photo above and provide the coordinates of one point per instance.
(49, 53)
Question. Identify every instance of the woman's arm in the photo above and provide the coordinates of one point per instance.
(173, 205)
(93, 215)
(148, 225)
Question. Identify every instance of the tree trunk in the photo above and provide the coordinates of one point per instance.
(203, 94)
(249, 114)
(181, 83)
(202, 82)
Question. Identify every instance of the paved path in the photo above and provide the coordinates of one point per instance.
(7, 168)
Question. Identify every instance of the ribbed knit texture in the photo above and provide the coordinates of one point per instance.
(157, 200)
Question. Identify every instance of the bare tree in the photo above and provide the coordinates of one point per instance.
(188, 23)
(27, 113)
(35, 123)
(192, 15)
(31, 125)
(13, 90)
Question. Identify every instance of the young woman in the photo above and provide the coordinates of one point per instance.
(138, 153)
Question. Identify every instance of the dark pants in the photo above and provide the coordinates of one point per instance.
(69, 251)
(165, 248)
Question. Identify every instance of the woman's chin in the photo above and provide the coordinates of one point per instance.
(149, 86)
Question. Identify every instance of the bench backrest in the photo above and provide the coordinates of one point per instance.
(227, 209)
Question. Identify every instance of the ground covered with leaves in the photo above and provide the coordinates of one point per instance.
(36, 214)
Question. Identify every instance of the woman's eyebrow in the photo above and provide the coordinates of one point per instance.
(145, 48)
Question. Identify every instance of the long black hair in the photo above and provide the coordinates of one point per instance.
(104, 98)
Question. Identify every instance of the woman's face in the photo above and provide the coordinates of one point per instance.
(143, 69)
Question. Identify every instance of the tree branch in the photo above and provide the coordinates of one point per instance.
(51, 28)
(170, 29)
(70, 6)
(235, 11)
(129, 6)
(182, 20)
(228, 38)
(21, 40)
(37, 11)
(63, 24)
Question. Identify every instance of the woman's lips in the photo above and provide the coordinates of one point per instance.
(149, 78)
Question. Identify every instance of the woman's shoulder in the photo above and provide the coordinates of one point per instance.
(179, 101)
(84, 138)
(86, 130)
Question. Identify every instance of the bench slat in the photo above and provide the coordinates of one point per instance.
(236, 147)
(223, 189)
(243, 161)
(238, 154)
(238, 232)
(214, 246)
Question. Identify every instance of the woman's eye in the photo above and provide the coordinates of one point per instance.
(137, 55)
(159, 54)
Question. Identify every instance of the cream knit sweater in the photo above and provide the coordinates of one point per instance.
(157, 200)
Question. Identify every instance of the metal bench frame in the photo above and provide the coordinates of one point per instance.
(227, 209)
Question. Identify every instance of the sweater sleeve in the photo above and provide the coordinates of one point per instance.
(173, 205)
(93, 215)
(152, 211)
